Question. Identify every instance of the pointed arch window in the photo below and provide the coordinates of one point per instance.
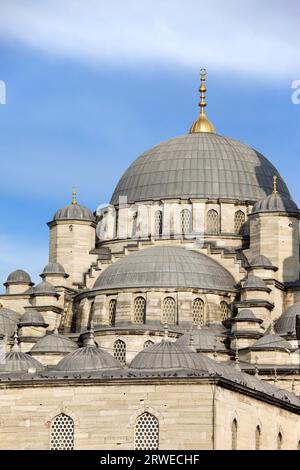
(112, 312)
(139, 310)
(198, 312)
(224, 310)
(146, 436)
(62, 433)
(120, 351)
(239, 221)
(148, 343)
(158, 223)
(257, 438)
(234, 431)
(279, 441)
(186, 221)
(169, 311)
(212, 222)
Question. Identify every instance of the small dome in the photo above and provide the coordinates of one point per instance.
(275, 203)
(88, 358)
(286, 323)
(166, 266)
(203, 340)
(54, 268)
(261, 261)
(167, 355)
(32, 317)
(271, 342)
(54, 343)
(8, 321)
(74, 212)
(19, 277)
(246, 315)
(254, 282)
(44, 288)
(17, 361)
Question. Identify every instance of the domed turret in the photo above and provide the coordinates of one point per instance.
(18, 282)
(55, 274)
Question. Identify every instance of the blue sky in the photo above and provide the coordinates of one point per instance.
(91, 85)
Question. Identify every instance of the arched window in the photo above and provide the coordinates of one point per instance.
(139, 310)
(186, 221)
(62, 433)
(169, 311)
(134, 225)
(279, 441)
(198, 312)
(212, 222)
(257, 438)
(239, 220)
(158, 223)
(112, 312)
(120, 351)
(234, 430)
(224, 310)
(146, 436)
(148, 343)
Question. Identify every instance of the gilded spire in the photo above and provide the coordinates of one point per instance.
(202, 124)
(274, 184)
(74, 194)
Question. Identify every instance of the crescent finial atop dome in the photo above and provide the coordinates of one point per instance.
(202, 124)
(74, 195)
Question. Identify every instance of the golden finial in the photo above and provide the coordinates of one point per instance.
(74, 200)
(274, 184)
(202, 124)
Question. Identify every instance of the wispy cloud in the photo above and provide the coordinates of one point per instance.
(250, 37)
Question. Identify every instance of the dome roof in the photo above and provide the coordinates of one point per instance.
(203, 339)
(19, 277)
(88, 358)
(32, 317)
(261, 261)
(271, 341)
(254, 282)
(17, 361)
(286, 323)
(8, 321)
(167, 355)
(74, 212)
(44, 288)
(275, 203)
(165, 266)
(246, 315)
(54, 343)
(199, 165)
(54, 268)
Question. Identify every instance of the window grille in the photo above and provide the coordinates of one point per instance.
(62, 433)
(169, 311)
(198, 312)
(239, 220)
(146, 432)
(158, 223)
(224, 310)
(257, 438)
(120, 351)
(212, 222)
(186, 221)
(139, 310)
(234, 428)
(148, 343)
(112, 312)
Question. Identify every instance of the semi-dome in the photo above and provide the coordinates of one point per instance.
(199, 165)
(32, 317)
(17, 361)
(19, 277)
(74, 212)
(271, 342)
(54, 268)
(166, 266)
(88, 358)
(286, 323)
(54, 343)
(276, 203)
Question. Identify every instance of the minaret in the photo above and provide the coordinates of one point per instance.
(202, 124)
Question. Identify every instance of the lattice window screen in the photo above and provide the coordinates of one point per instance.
(139, 310)
(146, 432)
(186, 221)
(169, 311)
(62, 433)
(158, 223)
(212, 221)
(112, 312)
(234, 428)
(120, 351)
(224, 310)
(148, 343)
(257, 438)
(198, 312)
(239, 220)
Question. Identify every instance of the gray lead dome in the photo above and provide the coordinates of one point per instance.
(166, 266)
(203, 165)
(74, 212)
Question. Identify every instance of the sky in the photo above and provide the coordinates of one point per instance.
(90, 85)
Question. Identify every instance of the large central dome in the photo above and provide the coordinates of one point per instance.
(199, 165)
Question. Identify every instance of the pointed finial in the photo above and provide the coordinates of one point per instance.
(74, 194)
(202, 124)
(236, 359)
(274, 184)
(55, 331)
(256, 371)
(166, 333)
(16, 347)
(90, 341)
(215, 348)
(275, 375)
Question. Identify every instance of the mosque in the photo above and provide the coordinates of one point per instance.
(169, 319)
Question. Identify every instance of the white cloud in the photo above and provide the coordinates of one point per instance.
(258, 37)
